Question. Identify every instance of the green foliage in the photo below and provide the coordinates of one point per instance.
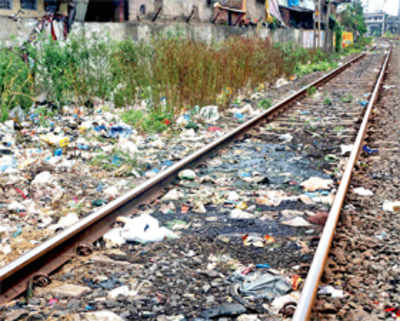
(311, 91)
(114, 160)
(347, 98)
(168, 73)
(352, 19)
(265, 103)
(312, 67)
(148, 122)
(327, 101)
(16, 82)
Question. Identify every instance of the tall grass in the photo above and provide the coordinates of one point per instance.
(169, 73)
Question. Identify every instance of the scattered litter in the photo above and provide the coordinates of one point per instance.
(187, 174)
(281, 82)
(364, 103)
(280, 302)
(261, 283)
(369, 150)
(173, 195)
(233, 196)
(227, 309)
(239, 214)
(330, 290)
(209, 113)
(346, 149)
(382, 236)
(65, 221)
(297, 222)
(122, 290)
(111, 192)
(363, 192)
(387, 87)
(113, 238)
(144, 229)
(316, 183)
(286, 138)
(239, 116)
(391, 206)
(253, 240)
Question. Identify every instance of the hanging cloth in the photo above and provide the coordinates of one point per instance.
(268, 16)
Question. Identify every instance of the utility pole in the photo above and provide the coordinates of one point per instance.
(328, 33)
(317, 24)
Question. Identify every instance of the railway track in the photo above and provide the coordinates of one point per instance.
(248, 140)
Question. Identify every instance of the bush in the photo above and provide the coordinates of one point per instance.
(168, 73)
(16, 82)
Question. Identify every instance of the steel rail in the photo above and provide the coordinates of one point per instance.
(305, 304)
(53, 253)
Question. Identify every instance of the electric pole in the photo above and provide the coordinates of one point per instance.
(328, 33)
(317, 24)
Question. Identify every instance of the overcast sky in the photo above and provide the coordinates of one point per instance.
(389, 6)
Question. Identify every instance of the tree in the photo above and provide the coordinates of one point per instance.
(352, 19)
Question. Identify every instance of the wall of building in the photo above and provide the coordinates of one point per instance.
(171, 9)
(143, 31)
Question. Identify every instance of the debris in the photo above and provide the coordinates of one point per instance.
(65, 221)
(270, 198)
(199, 207)
(281, 301)
(346, 149)
(69, 290)
(113, 238)
(286, 138)
(369, 150)
(144, 229)
(391, 206)
(173, 195)
(227, 309)
(122, 290)
(187, 174)
(281, 82)
(316, 183)
(319, 218)
(241, 215)
(248, 317)
(254, 240)
(209, 113)
(111, 192)
(262, 283)
(103, 315)
(233, 196)
(297, 222)
(363, 192)
(334, 293)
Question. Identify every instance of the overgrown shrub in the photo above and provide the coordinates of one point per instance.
(169, 74)
(16, 82)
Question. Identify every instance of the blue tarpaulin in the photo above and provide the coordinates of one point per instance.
(293, 3)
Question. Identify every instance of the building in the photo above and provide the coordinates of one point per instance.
(376, 23)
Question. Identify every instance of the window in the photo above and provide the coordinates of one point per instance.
(5, 4)
(28, 4)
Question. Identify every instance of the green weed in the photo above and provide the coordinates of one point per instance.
(327, 101)
(114, 160)
(347, 98)
(265, 103)
(311, 91)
